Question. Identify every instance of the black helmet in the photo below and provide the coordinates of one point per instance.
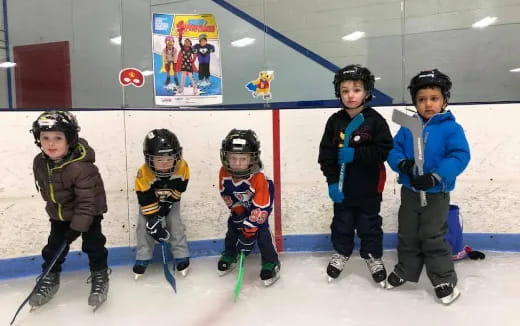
(355, 72)
(63, 121)
(243, 142)
(429, 78)
(161, 142)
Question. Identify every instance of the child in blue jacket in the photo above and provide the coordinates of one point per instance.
(422, 230)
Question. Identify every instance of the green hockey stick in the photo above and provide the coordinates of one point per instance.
(238, 286)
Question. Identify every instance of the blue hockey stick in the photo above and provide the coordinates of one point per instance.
(351, 127)
(167, 274)
(40, 281)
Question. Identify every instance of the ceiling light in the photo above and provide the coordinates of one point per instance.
(116, 40)
(484, 22)
(7, 64)
(377, 78)
(243, 42)
(147, 73)
(353, 36)
(515, 70)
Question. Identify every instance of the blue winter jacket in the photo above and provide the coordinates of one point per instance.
(446, 151)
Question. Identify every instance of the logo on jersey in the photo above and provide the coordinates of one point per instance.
(243, 196)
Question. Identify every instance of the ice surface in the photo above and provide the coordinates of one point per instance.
(490, 296)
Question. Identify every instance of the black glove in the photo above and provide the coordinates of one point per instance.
(406, 166)
(71, 235)
(245, 244)
(155, 228)
(237, 220)
(424, 182)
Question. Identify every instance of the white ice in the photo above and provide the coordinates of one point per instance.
(490, 296)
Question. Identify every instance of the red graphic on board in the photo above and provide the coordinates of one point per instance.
(131, 76)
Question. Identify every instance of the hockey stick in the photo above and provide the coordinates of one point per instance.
(40, 281)
(351, 127)
(238, 286)
(416, 127)
(167, 274)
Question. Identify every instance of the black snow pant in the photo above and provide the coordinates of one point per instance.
(264, 240)
(204, 71)
(422, 241)
(93, 245)
(363, 219)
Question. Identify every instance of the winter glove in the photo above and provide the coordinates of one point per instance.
(236, 220)
(345, 155)
(406, 166)
(71, 235)
(247, 238)
(335, 194)
(156, 230)
(474, 254)
(424, 182)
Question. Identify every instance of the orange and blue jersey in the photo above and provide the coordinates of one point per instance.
(252, 197)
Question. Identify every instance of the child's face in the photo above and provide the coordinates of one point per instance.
(239, 161)
(352, 93)
(429, 101)
(187, 43)
(203, 41)
(163, 163)
(54, 144)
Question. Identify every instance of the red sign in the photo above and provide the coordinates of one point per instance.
(131, 76)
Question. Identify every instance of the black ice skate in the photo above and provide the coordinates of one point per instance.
(99, 288)
(140, 268)
(447, 293)
(49, 287)
(394, 281)
(377, 269)
(226, 264)
(270, 273)
(183, 266)
(336, 264)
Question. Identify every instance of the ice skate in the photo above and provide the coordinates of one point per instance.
(377, 269)
(270, 273)
(394, 281)
(99, 288)
(183, 266)
(446, 293)
(140, 268)
(47, 290)
(336, 264)
(226, 264)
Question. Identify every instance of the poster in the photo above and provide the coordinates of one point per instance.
(186, 60)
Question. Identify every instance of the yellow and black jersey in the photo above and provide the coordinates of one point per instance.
(151, 190)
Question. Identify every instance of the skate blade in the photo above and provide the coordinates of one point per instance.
(451, 298)
(96, 307)
(137, 276)
(330, 279)
(383, 284)
(222, 273)
(185, 271)
(271, 281)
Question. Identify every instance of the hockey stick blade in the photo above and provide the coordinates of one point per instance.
(167, 274)
(240, 278)
(351, 127)
(40, 281)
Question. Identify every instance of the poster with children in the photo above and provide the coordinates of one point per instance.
(186, 60)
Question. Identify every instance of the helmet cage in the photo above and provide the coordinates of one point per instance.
(176, 156)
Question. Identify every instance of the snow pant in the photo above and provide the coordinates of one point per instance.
(203, 71)
(422, 241)
(363, 219)
(174, 225)
(264, 239)
(93, 245)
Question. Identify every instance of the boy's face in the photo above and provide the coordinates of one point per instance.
(163, 163)
(429, 101)
(239, 161)
(54, 144)
(352, 93)
(203, 41)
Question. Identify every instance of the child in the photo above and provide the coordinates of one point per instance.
(203, 50)
(186, 64)
(422, 230)
(357, 204)
(74, 193)
(159, 184)
(169, 59)
(249, 195)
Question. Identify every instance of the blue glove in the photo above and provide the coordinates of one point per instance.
(345, 155)
(335, 194)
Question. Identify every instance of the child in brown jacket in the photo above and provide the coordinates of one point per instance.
(74, 193)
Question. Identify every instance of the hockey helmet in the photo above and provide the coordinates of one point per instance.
(430, 78)
(243, 142)
(54, 120)
(355, 72)
(161, 143)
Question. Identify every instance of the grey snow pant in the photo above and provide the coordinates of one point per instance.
(422, 232)
(174, 225)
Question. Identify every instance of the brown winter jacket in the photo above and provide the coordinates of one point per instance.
(73, 188)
